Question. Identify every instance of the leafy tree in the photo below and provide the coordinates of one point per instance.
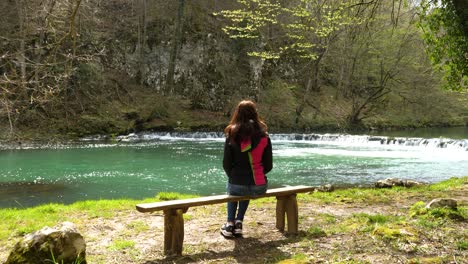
(370, 58)
(299, 30)
(445, 30)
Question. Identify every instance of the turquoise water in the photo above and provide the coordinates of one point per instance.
(140, 166)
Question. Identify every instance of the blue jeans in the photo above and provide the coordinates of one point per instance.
(241, 190)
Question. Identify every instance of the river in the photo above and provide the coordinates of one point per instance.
(142, 165)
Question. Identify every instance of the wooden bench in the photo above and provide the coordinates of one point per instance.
(286, 205)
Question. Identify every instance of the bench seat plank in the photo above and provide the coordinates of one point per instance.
(174, 210)
(187, 203)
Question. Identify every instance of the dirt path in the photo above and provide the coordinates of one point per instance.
(329, 233)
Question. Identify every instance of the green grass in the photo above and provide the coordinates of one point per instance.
(328, 218)
(462, 245)
(18, 222)
(352, 195)
(399, 231)
(448, 184)
(315, 232)
(138, 226)
(121, 244)
(372, 219)
(168, 196)
(435, 217)
(78, 260)
(374, 195)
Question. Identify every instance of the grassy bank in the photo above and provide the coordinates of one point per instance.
(345, 226)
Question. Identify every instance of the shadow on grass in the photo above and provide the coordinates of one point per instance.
(246, 250)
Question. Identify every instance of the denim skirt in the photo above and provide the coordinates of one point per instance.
(241, 190)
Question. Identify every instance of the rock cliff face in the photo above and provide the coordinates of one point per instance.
(202, 70)
(209, 67)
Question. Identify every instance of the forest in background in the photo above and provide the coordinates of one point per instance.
(80, 67)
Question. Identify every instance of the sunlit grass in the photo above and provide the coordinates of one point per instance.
(378, 195)
(168, 196)
(351, 195)
(138, 226)
(120, 244)
(448, 184)
(462, 245)
(17, 222)
(314, 232)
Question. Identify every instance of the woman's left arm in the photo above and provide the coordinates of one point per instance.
(227, 158)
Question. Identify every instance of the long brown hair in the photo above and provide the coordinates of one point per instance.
(245, 122)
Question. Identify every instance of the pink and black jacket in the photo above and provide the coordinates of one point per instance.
(248, 163)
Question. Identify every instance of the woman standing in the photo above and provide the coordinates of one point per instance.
(247, 159)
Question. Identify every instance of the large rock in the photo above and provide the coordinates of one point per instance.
(61, 243)
(326, 188)
(390, 182)
(443, 203)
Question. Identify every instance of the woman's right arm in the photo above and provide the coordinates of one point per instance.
(267, 157)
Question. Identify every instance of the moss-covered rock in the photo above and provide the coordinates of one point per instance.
(61, 244)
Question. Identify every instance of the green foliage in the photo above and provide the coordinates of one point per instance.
(301, 27)
(447, 45)
(278, 115)
(253, 16)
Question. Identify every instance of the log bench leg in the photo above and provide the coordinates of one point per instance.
(280, 212)
(287, 205)
(174, 231)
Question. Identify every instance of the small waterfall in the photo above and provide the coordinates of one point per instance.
(336, 139)
(363, 140)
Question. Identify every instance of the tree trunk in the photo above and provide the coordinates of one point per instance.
(141, 41)
(21, 53)
(175, 48)
(6, 103)
(311, 86)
